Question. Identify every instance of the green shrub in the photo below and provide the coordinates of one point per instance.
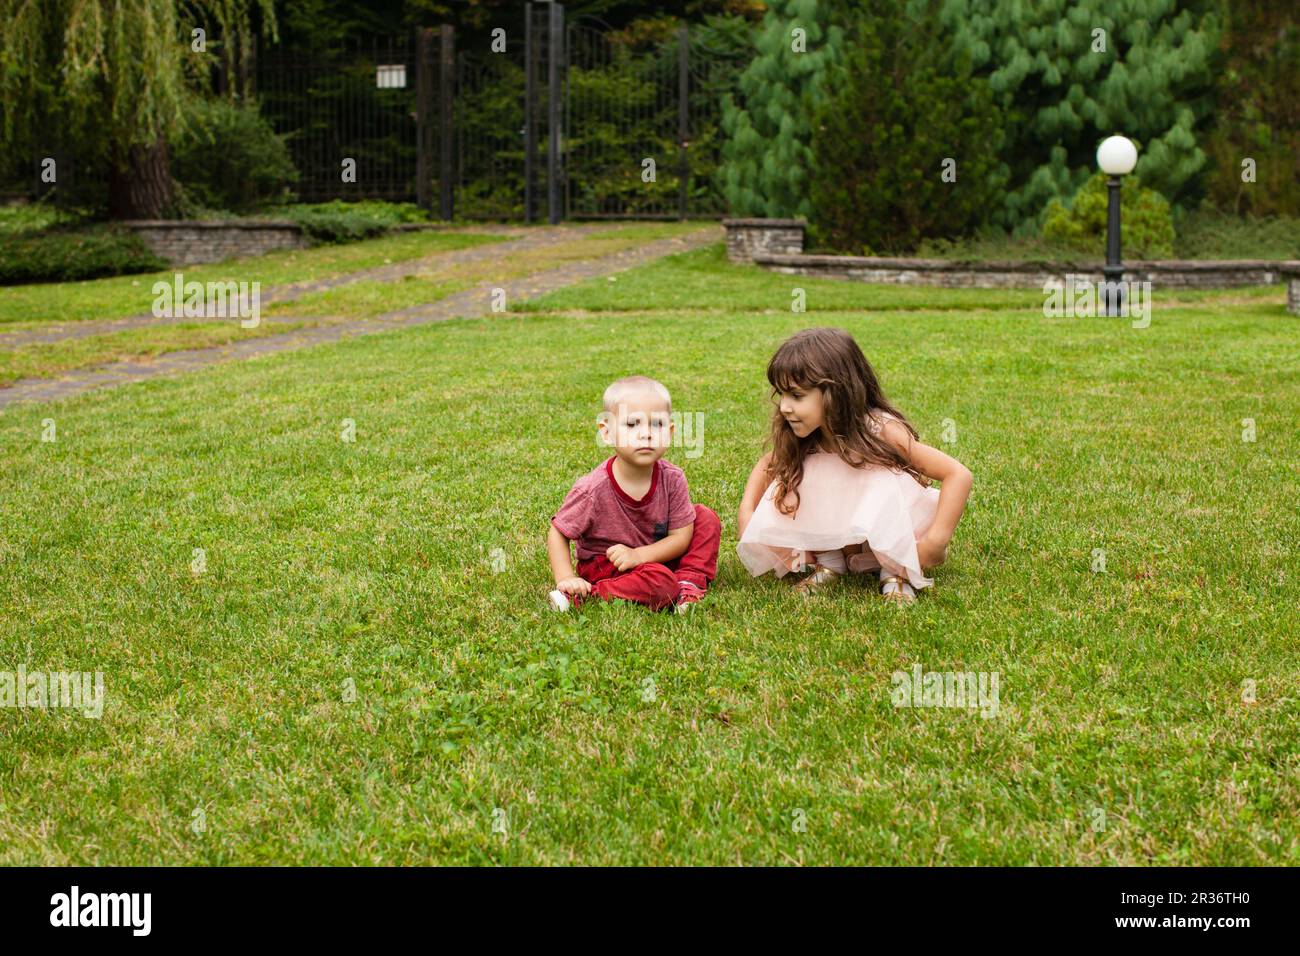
(892, 125)
(1146, 224)
(68, 255)
(229, 157)
(338, 221)
(1207, 234)
(30, 217)
(1257, 114)
(995, 244)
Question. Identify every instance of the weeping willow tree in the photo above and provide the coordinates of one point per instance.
(110, 77)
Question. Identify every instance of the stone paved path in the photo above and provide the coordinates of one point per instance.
(528, 239)
(470, 303)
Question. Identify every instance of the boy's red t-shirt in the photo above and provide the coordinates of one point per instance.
(597, 513)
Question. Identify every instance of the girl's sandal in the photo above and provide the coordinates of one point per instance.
(897, 595)
(820, 579)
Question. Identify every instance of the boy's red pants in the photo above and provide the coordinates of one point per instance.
(655, 584)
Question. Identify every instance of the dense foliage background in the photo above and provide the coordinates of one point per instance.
(853, 130)
(891, 124)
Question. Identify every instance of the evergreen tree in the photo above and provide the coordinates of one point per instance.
(767, 160)
(1077, 71)
(903, 151)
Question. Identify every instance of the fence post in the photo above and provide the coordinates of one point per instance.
(530, 108)
(447, 78)
(556, 50)
(683, 119)
(423, 119)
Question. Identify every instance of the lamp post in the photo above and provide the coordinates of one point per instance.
(1116, 156)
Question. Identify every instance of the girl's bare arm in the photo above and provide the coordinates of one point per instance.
(955, 485)
(754, 488)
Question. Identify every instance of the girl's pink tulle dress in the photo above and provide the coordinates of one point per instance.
(841, 505)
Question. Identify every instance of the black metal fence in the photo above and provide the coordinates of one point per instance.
(572, 122)
(627, 118)
(349, 115)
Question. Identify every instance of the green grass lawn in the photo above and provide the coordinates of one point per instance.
(369, 297)
(409, 564)
(52, 359)
(61, 303)
(119, 296)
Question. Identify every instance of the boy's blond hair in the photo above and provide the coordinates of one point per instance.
(631, 383)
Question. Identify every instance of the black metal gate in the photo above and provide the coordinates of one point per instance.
(626, 113)
(351, 102)
(567, 121)
(506, 122)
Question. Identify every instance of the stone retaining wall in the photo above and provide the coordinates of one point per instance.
(996, 275)
(747, 238)
(777, 244)
(187, 243)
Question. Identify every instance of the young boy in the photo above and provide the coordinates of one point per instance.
(638, 536)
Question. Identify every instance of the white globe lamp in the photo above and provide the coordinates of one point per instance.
(1116, 156)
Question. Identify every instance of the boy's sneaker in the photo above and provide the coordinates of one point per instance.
(559, 600)
(687, 594)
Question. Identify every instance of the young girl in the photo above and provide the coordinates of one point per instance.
(846, 484)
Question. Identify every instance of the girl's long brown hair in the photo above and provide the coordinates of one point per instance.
(830, 360)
